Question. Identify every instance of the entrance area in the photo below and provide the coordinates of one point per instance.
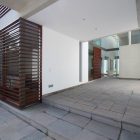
(108, 100)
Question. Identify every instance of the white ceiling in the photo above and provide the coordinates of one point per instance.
(88, 19)
(27, 8)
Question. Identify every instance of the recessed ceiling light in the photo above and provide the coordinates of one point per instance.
(95, 28)
(84, 19)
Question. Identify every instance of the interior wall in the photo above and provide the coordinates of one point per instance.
(130, 61)
(60, 61)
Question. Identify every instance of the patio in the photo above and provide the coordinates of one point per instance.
(43, 122)
(110, 111)
(112, 101)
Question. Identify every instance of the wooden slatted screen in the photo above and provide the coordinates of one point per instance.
(20, 66)
(3, 10)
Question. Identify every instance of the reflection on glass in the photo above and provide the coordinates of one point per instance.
(97, 42)
(105, 66)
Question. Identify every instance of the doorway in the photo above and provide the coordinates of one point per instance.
(94, 63)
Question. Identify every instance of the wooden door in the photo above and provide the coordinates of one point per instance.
(96, 63)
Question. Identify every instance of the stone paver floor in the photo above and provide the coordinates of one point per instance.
(117, 99)
(57, 124)
(111, 97)
(13, 128)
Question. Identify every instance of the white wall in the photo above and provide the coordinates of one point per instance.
(9, 18)
(130, 61)
(60, 61)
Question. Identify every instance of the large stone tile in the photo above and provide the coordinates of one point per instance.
(82, 113)
(106, 105)
(56, 112)
(88, 135)
(43, 119)
(60, 106)
(108, 114)
(83, 107)
(133, 111)
(87, 103)
(119, 108)
(12, 133)
(6, 116)
(76, 120)
(103, 129)
(126, 135)
(36, 136)
(107, 117)
(63, 129)
(131, 123)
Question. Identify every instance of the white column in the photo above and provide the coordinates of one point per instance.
(129, 37)
(84, 62)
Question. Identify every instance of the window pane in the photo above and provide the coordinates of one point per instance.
(135, 36)
(97, 42)
(123, 39)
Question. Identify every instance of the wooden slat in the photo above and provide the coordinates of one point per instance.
(3, 10)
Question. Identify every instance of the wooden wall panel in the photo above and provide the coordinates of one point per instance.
(96, 63)
(21, 65)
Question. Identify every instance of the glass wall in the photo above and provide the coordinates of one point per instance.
(123, 39)
(110, 46)
(135, 37)
(105, 66)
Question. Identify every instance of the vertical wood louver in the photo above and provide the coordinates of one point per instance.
(21, 63)
(3, 10)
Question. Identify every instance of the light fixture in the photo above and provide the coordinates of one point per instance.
(84, 19)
